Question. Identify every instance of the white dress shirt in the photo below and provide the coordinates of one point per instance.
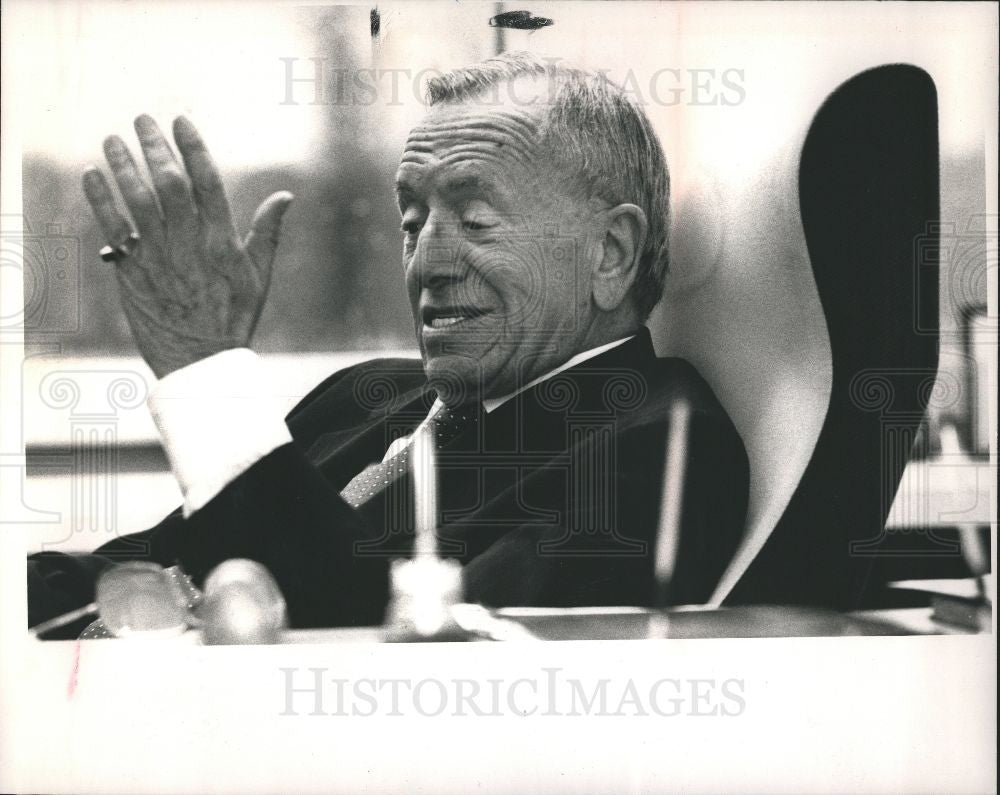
(215, 424)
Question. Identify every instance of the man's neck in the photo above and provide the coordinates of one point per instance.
(493, 403)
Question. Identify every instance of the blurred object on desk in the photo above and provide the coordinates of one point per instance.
(976, 554)
(965, 603)
(974, 614)
(424, 592)
(979, 332)
(184, 592)
(967, 588)
(483, 624)
(939, 525)
(242, 605)
(944, 491)
(136, 599)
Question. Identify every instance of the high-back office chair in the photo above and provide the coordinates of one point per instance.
(811, 306)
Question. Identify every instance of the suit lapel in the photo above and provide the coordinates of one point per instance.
(343, 453)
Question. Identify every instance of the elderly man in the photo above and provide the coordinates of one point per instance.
(534, 203)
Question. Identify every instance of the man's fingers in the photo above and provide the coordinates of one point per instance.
(168, 176)
(138, 197)
(116, 230)
(206, 184)
(102, 201)
(262, 241)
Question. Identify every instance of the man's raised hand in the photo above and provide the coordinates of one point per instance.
(190, 287)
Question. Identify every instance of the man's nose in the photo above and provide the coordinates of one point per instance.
(437, 260)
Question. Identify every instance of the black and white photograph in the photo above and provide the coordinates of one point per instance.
(493, 396)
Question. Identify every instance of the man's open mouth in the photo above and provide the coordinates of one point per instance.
(446, 317)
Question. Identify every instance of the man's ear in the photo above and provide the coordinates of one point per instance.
(623, 241)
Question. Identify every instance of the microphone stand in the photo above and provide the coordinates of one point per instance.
(426, 587)
(668, 533)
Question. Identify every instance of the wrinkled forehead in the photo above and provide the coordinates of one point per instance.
(474, 135)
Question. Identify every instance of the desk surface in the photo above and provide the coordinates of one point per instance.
(634, 623)
(638, 624)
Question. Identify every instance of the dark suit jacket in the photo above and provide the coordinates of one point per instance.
(553, 501)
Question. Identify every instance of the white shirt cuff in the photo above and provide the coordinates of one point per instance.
(216, 420)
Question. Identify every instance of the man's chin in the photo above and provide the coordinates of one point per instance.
(457, 379)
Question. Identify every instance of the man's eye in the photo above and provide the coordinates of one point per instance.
(411, 227)
(474, 226)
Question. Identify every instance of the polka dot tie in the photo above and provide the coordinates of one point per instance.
(375, 478)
